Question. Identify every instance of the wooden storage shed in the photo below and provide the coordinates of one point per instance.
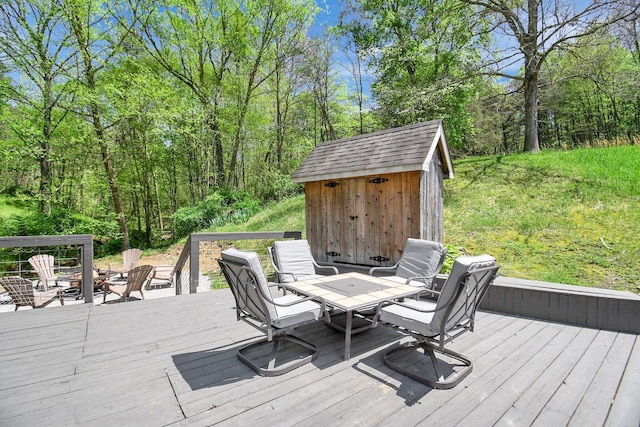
(367, 194)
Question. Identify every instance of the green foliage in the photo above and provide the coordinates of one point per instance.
(453, 252)
(31, 222)
(217, 209)
(287, 214)
(421, 74)
(598, 100)
(272, 184)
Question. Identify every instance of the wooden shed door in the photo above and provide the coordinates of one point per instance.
(351, 227)
(335, 220)
(361, 221)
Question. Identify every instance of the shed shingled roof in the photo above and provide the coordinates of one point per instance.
(403, 149)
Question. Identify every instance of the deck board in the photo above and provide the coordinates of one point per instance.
(625, 410)
(172, 361)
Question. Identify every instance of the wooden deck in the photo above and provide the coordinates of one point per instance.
(172, 361)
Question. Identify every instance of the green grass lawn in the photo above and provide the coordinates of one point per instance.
(569, 217)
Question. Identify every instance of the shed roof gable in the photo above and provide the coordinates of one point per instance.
(403, 149)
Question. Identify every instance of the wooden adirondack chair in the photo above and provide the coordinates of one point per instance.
(43, 265)
(21, 292)
(136, 279)
(130, 259)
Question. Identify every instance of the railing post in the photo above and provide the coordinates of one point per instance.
(194, 264)
(87, 270)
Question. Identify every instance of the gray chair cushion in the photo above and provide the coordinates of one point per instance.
(419, 258)
(411, 319)
(281, 317)
(297, 313)
(251, 260)
(294, 257)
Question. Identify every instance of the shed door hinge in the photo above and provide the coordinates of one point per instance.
(378, 180)
(332, 184)
(379, 258)
(332, 253)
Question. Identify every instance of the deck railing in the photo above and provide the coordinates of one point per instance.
(84, 241)
(187, 269)
(188, 264)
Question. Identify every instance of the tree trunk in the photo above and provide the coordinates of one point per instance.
(531, 63)
(80, 33)
(47, 133)
(531, 142)
(111, 175)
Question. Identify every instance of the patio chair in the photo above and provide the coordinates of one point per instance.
(21, 292)
(164, 274)
(136, 278)
(420, 263)
(275, 316)
(292, 260)
(44, 265)
(130, 259)
(434, 324)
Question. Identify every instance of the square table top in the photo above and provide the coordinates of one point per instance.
(352, 291)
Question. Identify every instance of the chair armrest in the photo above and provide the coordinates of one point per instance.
(115, 268)
(420, 278)
(376, 318)
(391, 270)
(330, 268)
(284, 273)
(162, 272)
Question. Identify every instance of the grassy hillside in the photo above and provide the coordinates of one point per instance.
(568, 217)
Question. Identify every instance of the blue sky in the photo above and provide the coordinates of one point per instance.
(329, 10)
(328, 15)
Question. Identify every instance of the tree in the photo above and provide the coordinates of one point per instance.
(590, 93)
(97, 43)
(195, 41)
(269, 24)
(36, 45)
(320, 79)
(423, 53)
(536, 28)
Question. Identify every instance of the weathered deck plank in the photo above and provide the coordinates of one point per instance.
(172, 361)
(625, 411)
(602, 391)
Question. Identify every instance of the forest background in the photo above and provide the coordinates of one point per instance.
(140, 121)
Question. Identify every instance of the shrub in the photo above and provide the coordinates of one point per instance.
(216, 210)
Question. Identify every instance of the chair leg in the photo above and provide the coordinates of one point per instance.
(271, 368)
(442, 380)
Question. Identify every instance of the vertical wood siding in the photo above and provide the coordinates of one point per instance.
(357, 219)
